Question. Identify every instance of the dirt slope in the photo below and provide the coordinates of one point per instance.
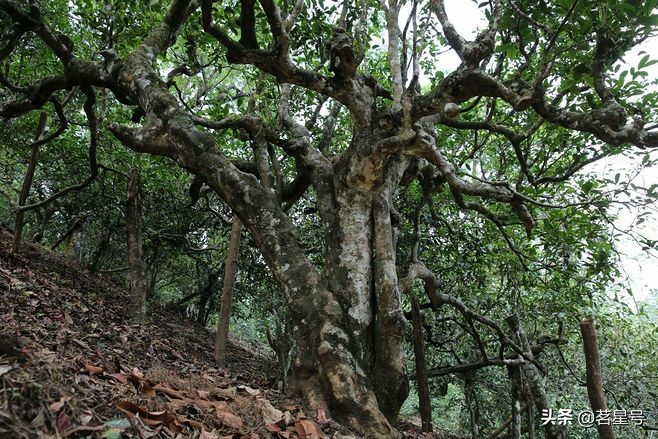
(72, 364)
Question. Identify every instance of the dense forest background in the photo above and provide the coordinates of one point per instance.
(285, 116)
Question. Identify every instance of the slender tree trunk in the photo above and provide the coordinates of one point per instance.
(594, 383)
(27, 183)
(187, 298)
(424, 399)
(152, 280)
(71, 251)
(135, 255)
(531, 419)
(281, 343)
(472, 405)
(227, 292)
(204, 296)
(103, 244)
(504, 425)
(43, 218)
(534, 379)
(517, 394)
(79, 219)
(212, 304)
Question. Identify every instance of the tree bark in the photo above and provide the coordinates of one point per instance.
(517, 395)
(424, 399)
(135, 253)
(74, 243)
(531, 419)
(348, 324)
(281, 343)
(594, 383)
(534, 379)
(27, 183)
(504, 425)
(230, 272)
(103, 244)
(347, 317)
(205, 296)
(472, 404)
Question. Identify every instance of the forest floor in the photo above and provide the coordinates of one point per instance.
(73, 364)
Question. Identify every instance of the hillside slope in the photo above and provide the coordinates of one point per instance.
(73, 364)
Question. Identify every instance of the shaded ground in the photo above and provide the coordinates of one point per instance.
(72, 364)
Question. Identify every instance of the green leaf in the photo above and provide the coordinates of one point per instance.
(651, 20)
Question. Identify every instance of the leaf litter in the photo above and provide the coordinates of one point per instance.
(73, 364)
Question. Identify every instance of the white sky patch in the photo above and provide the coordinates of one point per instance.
(639, 267)
(467, 19)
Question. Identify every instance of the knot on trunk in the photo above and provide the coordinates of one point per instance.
(343, 61)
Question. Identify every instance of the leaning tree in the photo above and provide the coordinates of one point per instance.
(348, 103)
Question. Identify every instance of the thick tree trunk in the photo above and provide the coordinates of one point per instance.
(135, 256)
(594, 383)
(347, 323)
(350, 359)
(390, 377)
(230, 272)
(424, 399)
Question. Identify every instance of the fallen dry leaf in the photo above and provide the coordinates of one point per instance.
(246, 390)
(321, 416)
(55, 407)
(168, 391)
(307, 429)
(86, 418)
(5, 368)
(94, 370)
(272, 427)
(63, 422)
(269, 413)
(288, 419)
(122, 378)
(83, 428)
(150, 418)
(81, 343)
(142, 385)
(230, 420)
